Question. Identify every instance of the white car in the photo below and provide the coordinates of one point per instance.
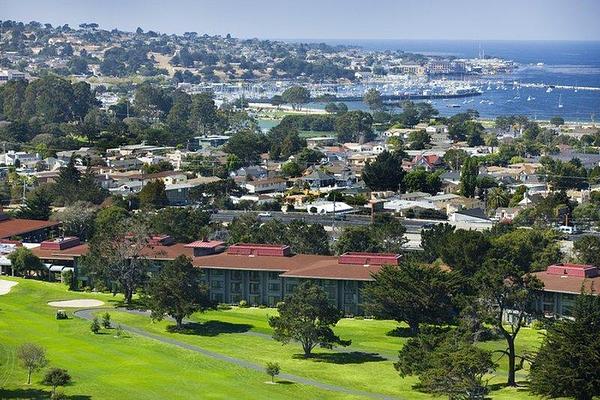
(265, 215)
(569, 230)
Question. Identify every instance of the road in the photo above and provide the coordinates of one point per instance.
(412, 226)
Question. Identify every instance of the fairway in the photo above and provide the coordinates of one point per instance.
(220, 355)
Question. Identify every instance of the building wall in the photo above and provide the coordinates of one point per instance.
(268, 288)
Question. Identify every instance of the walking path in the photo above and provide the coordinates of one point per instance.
(88, 315)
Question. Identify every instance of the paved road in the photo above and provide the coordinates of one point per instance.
(88, 314)
(412, 226)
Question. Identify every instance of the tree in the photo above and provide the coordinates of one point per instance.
(296, 96)
(37, 205)
(567, 362)
(183, 224)
(357, 238)
(468, 177)
(306, 316)
(354, 126)
(177, 291)
(385, 173)
(372, 98)
(23, 261)
(505, 288)
(56, 377)
(389, 232)
(447, 365)
(78, 219)
(465, 251)
(272, 369)
(153, 195)
(32, 357)
(433, 240)
(106, 320)
(95, 326)
(291, 169)
(246, 145)
(496, 198)
(203, 118)
(116, 255)
(410, 293)
(455, 158)
(557, 121)
(588, 250)
(419, 140)
(420, 180)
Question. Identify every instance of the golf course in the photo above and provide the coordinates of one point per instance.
(218, 355)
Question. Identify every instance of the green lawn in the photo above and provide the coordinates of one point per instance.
(106, 367)
(100, 363)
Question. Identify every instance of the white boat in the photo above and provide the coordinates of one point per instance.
(549, 90)
(529, 98)
(560, 105)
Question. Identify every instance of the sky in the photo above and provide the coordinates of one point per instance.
(329, 19)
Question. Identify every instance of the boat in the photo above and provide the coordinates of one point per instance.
(560, 105)
(529, 98)
(454, 105)
(549, 90)
(540, 64)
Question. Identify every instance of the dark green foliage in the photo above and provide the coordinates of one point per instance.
(272, 369)
(567, 363)
(385, 173)
(37, 205)
(351, 126)
(184, 224)
(23, 261)
(177, 291)
(153, 195)
(468, 177)
(446, 364)
(247, 146)
(587, 249)
(419, 180)
(465, 251)
(410, 293)
(307, 317)
(303, 238)
(95, 326)
(296, 96)
(56, 377)
(433, 241)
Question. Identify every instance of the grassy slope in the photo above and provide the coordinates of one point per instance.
(105, 367)
(356, 371)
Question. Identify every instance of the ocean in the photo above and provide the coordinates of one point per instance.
(564, 63)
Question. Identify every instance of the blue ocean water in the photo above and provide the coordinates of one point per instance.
(567, 63)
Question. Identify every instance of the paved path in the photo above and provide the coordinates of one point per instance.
(88, 315)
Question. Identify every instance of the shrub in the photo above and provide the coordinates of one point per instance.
(537, 324)
(223, 307)
(243, 304)
(262, 306)
(59, 396)
(95, 325)
(119, 332)
(68, 278)
(106, 320)
(61, 314)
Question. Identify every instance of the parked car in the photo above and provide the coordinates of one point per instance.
(265, 215)
(569, 230)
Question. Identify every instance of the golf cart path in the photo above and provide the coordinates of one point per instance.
(88, 315)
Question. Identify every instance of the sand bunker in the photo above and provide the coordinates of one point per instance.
(5, 286)
(76, 303)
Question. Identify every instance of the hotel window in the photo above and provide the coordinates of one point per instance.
(568, 302)
(290, 287)
(218, 297)
(274, 287)
(254, 300)
(216, 285)
(254, 288)
(254, 276)
(273, 275)
(217, 272)
(236, 287)
(235, 298)
(236, 275)
(548, 303)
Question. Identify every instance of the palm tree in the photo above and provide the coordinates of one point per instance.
(497, 197)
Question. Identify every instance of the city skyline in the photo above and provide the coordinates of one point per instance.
(426, 20)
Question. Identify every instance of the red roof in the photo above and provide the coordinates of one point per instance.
(576, 270)
(252, 249)
(369, 258)
(60, 243)
(205, 244)
(15, 226)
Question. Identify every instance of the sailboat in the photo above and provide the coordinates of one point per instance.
(560, 105)
(549, 90)
(529, 98)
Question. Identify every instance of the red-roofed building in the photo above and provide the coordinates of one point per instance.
(429, 161)
(563, 283)
(28, 230)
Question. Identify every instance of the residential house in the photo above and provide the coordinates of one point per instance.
(266, 185)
